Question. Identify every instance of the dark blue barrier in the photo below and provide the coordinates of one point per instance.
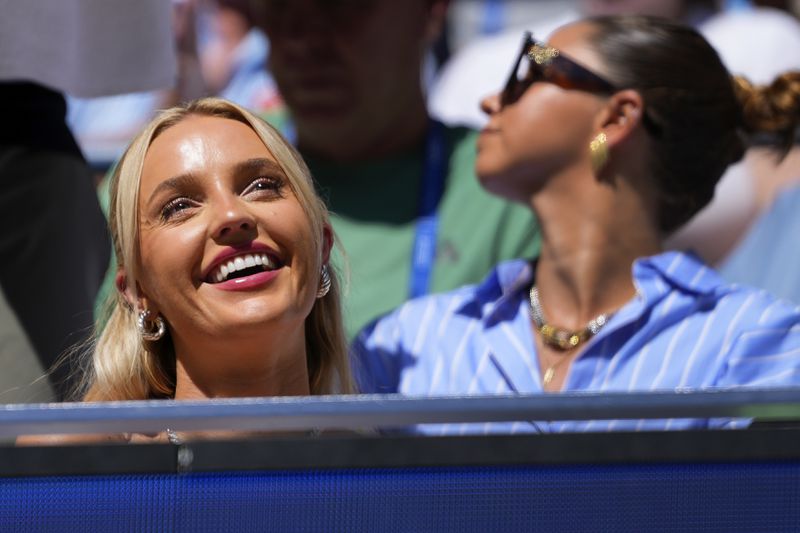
(721, 480)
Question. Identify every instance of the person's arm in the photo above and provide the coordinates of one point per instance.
(69, 440)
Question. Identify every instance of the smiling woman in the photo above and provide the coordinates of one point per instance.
(224, 287)
(223, 276)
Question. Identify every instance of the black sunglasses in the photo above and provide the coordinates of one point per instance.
(545, 63)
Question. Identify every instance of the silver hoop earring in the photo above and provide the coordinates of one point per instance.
(324, 282)
(150, 329)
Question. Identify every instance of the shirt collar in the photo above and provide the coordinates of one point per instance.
(673, 269)
(653, 276)
(501, 286)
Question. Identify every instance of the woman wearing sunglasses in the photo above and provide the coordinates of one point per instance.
(615, 132)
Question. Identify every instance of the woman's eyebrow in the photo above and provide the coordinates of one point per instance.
(257, 164)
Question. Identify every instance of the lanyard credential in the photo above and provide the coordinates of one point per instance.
(434, 172)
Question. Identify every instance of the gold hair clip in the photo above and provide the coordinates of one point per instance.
(542, 55)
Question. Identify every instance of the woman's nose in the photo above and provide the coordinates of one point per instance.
(491, 104)
(234, 223)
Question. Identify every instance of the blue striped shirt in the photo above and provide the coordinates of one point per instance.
(685, 328)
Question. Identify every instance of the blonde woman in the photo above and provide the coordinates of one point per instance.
(224, 285)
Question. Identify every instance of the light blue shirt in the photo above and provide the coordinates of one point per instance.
(769, 255)
(685, 328)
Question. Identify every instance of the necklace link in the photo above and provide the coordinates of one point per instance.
(562, 338)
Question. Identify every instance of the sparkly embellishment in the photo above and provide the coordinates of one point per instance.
(173, 437)
(542, 55)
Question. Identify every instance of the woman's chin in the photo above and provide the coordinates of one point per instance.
(496, 185)
(255, 318)
(487, 174)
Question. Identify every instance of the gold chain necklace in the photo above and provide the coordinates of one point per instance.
(560, 338)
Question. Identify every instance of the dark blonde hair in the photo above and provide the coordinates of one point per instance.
(125, 367)
(771, 112)
(701, 119)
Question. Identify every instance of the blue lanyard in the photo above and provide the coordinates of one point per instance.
(434, 172)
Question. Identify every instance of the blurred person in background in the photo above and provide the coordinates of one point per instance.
(758, 43)
(767, 254)
(406, 204)
(54, 247)
(104, 125)
(233, 56)
(220, 53)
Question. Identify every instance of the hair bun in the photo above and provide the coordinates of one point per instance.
(773, 110)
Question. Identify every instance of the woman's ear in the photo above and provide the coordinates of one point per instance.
(622, 116)
(121, 282)
(134, 296)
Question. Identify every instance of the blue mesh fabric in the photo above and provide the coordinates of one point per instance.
(710, 497)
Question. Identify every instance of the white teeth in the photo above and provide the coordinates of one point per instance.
(240, 263)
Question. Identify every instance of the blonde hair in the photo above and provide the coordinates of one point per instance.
(125, 367)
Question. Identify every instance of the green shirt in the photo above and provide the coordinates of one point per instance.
(374, 207)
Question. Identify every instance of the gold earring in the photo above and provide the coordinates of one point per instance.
(599, 151)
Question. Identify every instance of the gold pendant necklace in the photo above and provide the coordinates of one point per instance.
(549, 374)
(561, 338)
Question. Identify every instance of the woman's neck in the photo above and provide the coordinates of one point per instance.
(591, 234)
(242, 370)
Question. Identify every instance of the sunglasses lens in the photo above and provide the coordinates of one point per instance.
(520, 80)
(523, 68)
